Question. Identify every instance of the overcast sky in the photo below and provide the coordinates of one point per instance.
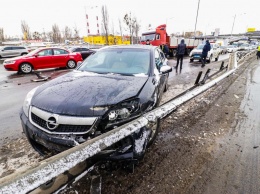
(180, 15)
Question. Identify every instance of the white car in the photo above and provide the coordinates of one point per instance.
(232, 48)
(214, 53)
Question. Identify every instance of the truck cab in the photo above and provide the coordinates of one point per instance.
(156, 37)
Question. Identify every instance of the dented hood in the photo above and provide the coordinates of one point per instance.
(76, 93)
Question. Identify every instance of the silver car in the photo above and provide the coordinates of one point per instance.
(13, 51)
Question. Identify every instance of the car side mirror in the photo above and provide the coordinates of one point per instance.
(165, 69)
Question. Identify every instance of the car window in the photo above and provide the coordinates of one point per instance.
(158, 60)
(59, 52)
(77, 50)
(118, 60)
(45, 52)
(84, 49)
(8, 48)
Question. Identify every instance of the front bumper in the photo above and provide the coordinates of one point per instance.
(39, 139)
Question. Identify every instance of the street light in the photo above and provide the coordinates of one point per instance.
(234, 22)
(196, 18)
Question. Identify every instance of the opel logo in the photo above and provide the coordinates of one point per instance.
(52, 123)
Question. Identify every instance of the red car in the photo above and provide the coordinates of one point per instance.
(43, 58)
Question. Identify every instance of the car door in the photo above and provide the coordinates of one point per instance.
(60, 57)
(85, 52)
(7, 51)
(43, 59)
(160, 60)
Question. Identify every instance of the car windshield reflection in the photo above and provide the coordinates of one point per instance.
(118, 61)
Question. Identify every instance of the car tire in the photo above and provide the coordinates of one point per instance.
(216, 59)
(24, 54)
(71, 64)
(154, 131)
(191, 60)
(210, 59)
(25, 68)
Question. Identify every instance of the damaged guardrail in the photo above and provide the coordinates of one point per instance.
(62, 162)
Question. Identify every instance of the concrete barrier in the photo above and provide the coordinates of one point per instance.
(58, 164)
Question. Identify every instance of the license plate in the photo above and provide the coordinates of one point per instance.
(196, 56)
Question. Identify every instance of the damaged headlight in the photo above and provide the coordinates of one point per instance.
(27, 101)
(124, 110)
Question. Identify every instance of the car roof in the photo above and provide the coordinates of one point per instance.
(133, 46)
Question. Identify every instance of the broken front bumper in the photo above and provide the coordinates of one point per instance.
(39, 138)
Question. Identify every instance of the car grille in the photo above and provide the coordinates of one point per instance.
(61, 128)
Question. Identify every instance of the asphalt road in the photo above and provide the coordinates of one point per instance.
(14, 87)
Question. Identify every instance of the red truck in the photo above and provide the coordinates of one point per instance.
(159, 36)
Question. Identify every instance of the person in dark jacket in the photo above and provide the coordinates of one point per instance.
(148, 42)
(165, 50)
(204, 54)
(180, 53)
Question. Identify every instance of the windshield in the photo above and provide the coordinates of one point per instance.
(231, 46)
(200, 46)
(147, 37)
(33, 52)
(117, 60)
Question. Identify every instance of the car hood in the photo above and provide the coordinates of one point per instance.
(17, 58)
(77, 93)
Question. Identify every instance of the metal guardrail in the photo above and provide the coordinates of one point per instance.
(58, 164)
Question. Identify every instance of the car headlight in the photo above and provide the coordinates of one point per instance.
(27, 101)
(9, 62)
(124, 110)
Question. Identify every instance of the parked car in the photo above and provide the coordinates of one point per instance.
(85, 52)
(111, 87)
(43, 58)
(223, 49)
(232, 48)
(13, 51)
(214, 53)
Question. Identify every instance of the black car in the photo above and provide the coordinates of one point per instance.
(111, 87)
(85, 52)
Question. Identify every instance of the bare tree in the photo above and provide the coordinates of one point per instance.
(67, 33)
(76, 32)
(49, 36)
(136, 29)
(130, 23)
(120, 27)
(26, 30)
(56, 35)
(2, 37)
(36, 36)
(105, 18)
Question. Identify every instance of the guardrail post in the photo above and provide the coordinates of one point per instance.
(198, 78)
(205, 77)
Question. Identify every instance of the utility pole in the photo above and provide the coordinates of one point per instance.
(233, 24)
(197, 18)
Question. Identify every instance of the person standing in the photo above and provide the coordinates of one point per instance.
(204, 54)
(180, 53)
(258, 52)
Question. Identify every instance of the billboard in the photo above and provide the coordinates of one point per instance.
(250, 29)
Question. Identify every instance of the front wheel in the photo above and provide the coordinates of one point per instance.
(71, 64)
(25, 68)
(216, 59)
(154, 131)
(210, 59)
(191, 60)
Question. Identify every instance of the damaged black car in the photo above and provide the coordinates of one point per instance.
(110, 88)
